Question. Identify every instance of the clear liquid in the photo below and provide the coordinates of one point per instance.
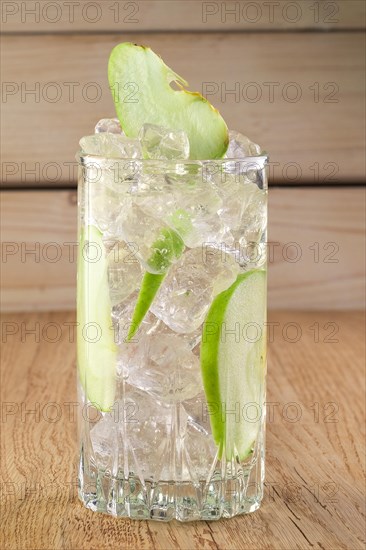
(153, 455)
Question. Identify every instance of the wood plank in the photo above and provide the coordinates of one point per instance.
(179, 15)
(325, 268)
(319, 138)
(316, 249)
(41, 222)
(314, 494)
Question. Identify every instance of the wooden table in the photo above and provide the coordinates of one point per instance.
(314, 481)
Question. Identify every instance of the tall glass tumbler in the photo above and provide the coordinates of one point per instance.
(171, 336)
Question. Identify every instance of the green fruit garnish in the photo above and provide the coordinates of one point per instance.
(96, 359)
(233, 367)
(140, 83)
(149, 287)
(167, 248)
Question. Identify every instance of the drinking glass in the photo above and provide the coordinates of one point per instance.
(171, 336)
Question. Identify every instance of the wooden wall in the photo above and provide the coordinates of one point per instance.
(288, 74)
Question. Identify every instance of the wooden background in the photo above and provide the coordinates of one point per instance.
(317, 241)
(309, 54)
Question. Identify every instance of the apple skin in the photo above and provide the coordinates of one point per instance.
(233, 372)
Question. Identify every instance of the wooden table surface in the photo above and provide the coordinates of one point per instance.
(314, 481)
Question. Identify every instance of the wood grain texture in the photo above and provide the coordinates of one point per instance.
(39, 267)
(314, 495)
(316, 249)
(324, 267)
(300, 95)
(179, 15)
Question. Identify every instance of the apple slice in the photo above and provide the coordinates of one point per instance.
(96, 349)
(140, 83)
(233, 363)
(166, 248)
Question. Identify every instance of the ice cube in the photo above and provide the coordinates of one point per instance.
(124, 272)
(199, 453)
(134, 436)
(196, 216)
(162, 143)
(103, 202)
(192, 339)
(243, 211)
(249, 231)
(159, 202)
(198, 412)
(103, 437)
(102, 210)
(149, 426)
(240, 146)
(190, 285)
(142, 435)
(112, 146)
(163, 366)
(191, 209)
(122, 317)
(235, 193)
(110, 125)
(142, 231)
(198, 200)
(232, 206)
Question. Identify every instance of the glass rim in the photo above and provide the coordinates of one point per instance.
(253, 162)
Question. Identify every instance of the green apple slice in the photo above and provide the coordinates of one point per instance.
(96, 349)
(167, 247)
(140, 83)
(233, 363)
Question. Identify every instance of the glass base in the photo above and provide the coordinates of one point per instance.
(240, 491)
